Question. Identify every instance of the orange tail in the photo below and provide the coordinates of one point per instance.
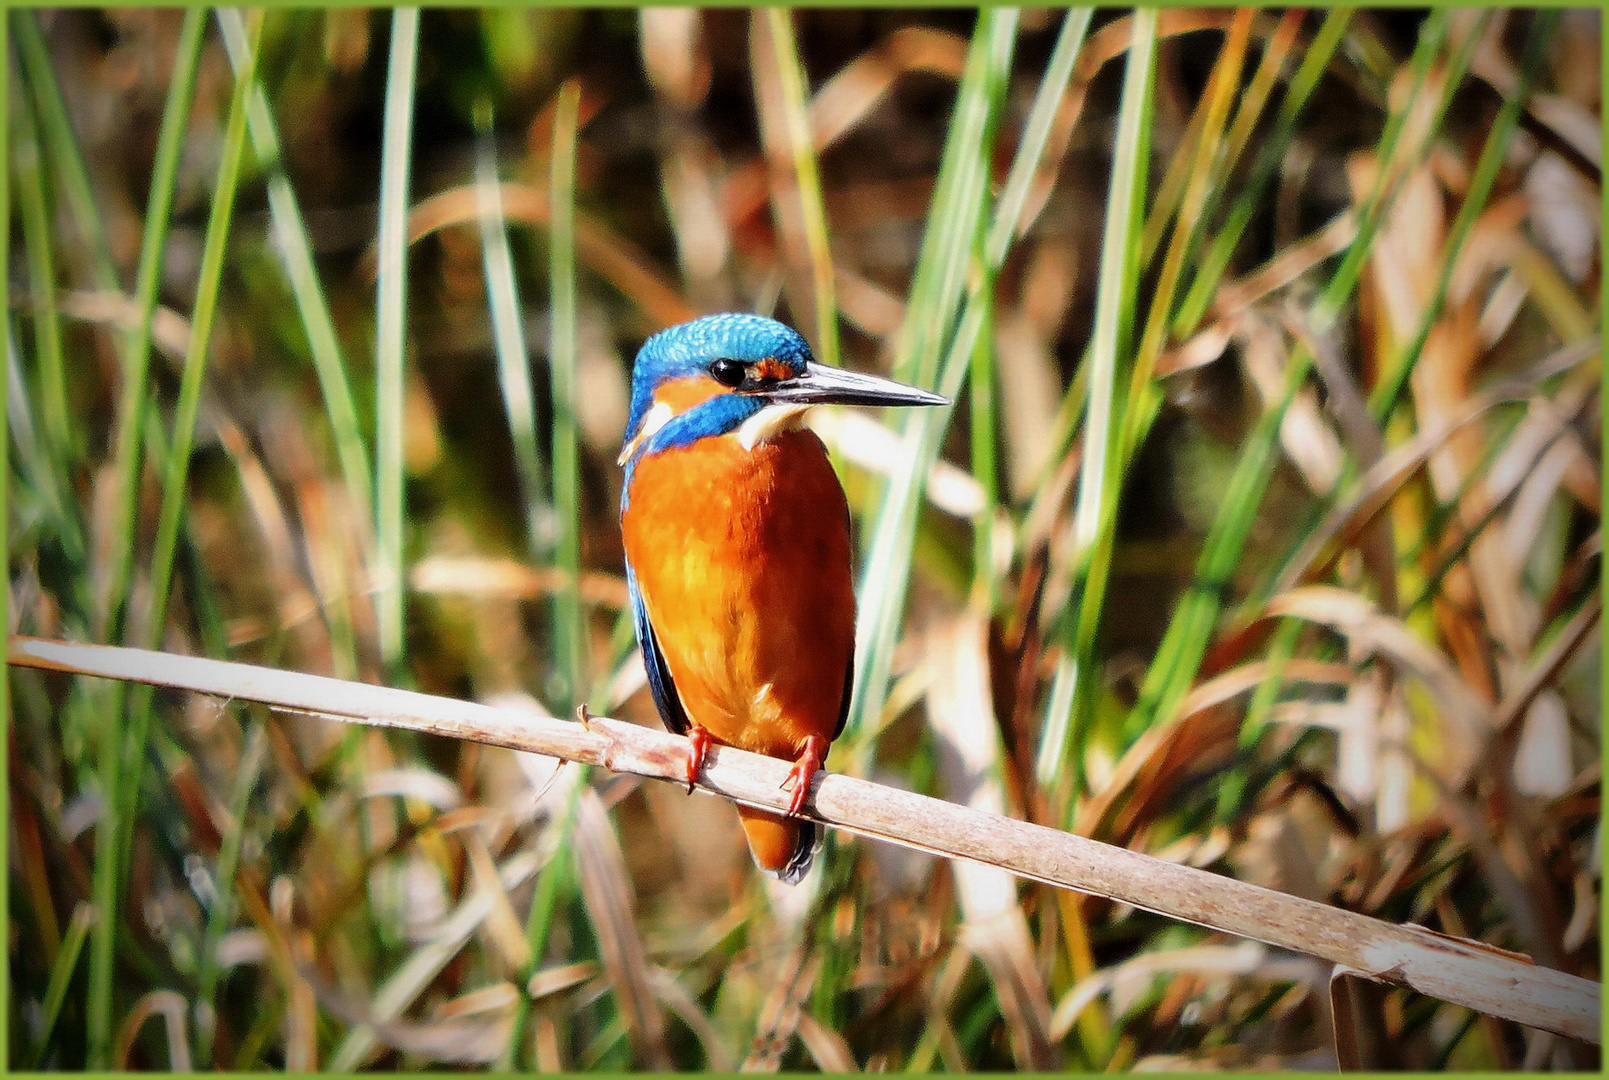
(782, 846)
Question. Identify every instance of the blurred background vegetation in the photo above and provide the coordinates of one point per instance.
(1264, 535)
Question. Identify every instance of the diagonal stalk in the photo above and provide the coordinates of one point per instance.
(1101, 466)
(936, 295)
(130, 424)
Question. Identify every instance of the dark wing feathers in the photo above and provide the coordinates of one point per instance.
(849, 688)
(660, 683)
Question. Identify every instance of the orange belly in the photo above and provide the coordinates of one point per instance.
(742, 561)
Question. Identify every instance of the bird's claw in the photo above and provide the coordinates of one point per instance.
(584, 716)
(698, 750)
(798, 783)
(804, 770)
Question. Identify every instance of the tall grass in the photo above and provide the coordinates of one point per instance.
(1101, 466)
(296, 251)
(570, 645)
(1260, 534)
(390, 338)
(936, 295)
(119, 755)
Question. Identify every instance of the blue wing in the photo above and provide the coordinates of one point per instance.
(849, 689)
(659, 680)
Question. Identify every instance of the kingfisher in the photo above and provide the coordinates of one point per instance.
(736, 533)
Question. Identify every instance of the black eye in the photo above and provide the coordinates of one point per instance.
(729, 372)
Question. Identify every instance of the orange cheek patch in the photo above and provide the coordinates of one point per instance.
(772, 368)
(683, 394)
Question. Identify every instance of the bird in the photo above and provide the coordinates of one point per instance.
(737, 545)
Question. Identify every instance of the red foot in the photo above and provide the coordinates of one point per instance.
(803, 771)
(697, 753)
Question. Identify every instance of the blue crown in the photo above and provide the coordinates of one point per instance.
(689, 349)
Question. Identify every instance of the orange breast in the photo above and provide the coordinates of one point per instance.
(742, 561)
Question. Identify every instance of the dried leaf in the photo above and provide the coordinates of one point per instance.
(553, 980)
(502, 926)
(826, 1046)
(413, 782)
(1357, 1007)
(874, 446)
(1542, 765)
(673, 54)
(845, 99)
(996, 931)
(680, 1002)
(613, 258)
(173, 1009)
(425, 963)
(1240, 959)
(1465, 715)
(779, 1015)
(170, 331)
(1565, 214)
(509, 578)
(606, 894)
(497, 998)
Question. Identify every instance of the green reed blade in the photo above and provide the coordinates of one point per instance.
(1383, 398)
(1009, 225)
(66, 156)
(957, 211)
(391, 332)
(508, 341)
(1100, 477)
(27, 163)
(35, 463)
(569, 626)
(1216, 261)
(290, 234)
(223, 908)
(175, 488)
(790, 77)
(130, 424)
(134, 396)
(1344, 279)
(66, 963)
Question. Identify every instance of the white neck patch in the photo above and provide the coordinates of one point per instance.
(656, 418)
(768, 422)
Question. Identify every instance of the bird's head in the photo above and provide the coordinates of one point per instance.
(738, 374)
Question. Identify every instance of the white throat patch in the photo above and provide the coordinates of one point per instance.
(769, 421)
(656, 418)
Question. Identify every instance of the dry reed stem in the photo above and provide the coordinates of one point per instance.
(1456, 970)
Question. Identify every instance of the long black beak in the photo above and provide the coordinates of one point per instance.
(822, 385)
